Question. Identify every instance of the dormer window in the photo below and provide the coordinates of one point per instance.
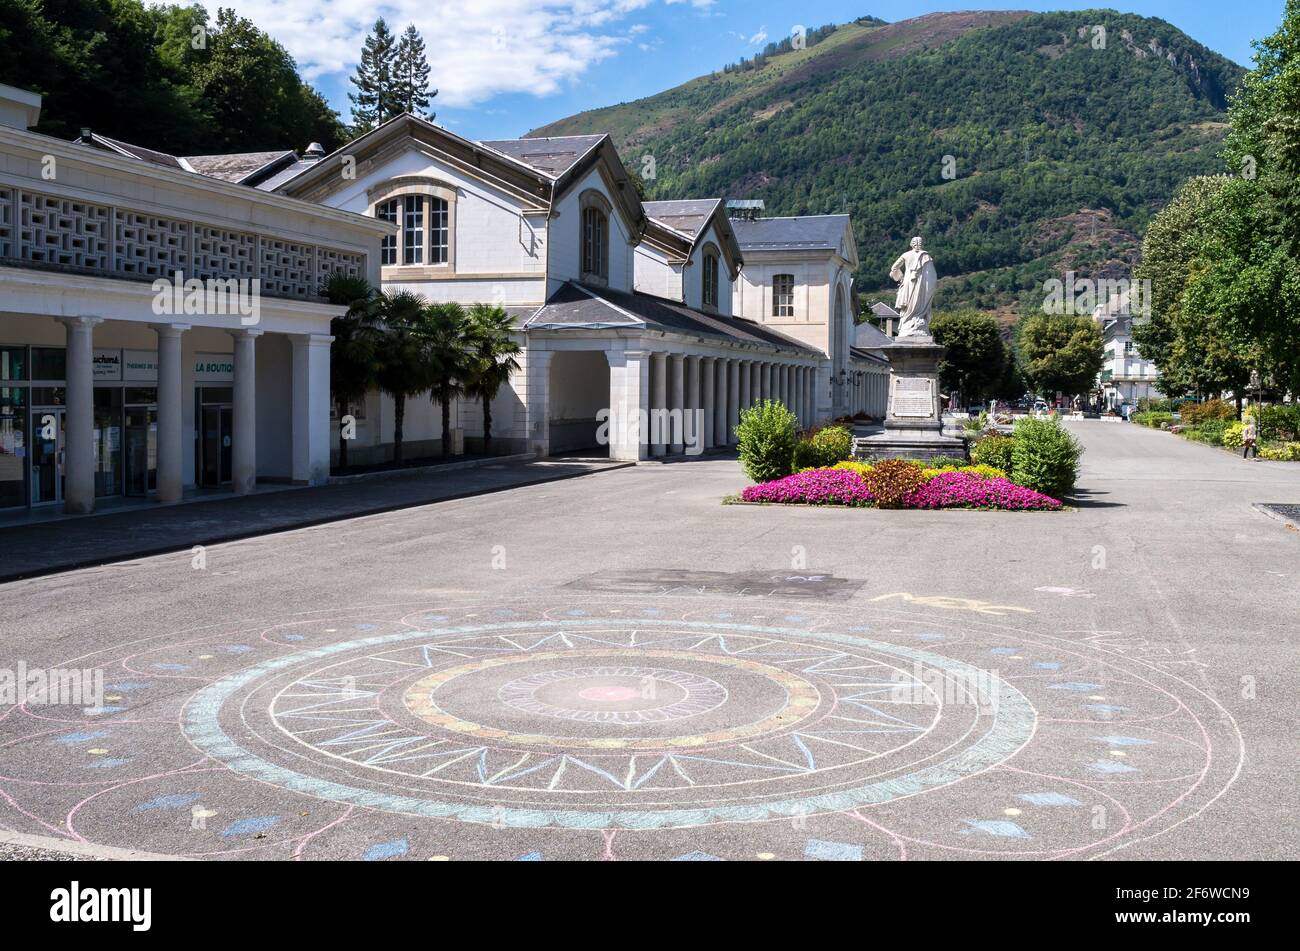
(783, 295)
(425, 214)
(595, 237)
(710, 276)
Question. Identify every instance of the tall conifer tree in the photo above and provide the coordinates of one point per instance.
(375, 101)
(411, 74)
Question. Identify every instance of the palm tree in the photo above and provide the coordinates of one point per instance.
(353, 355)
(493, 350)
(404, 370)
(444, 331)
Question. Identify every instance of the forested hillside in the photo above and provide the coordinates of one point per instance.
(1017, 144)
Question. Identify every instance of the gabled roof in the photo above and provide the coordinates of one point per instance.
(239, 167)
(576, 306)
(690, 217)
(807, 233)
(677, 227)
(871, 337)
(552, 156)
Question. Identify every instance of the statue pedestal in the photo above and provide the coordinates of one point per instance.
(914, 420)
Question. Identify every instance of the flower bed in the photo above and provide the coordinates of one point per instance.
(814, 487)
(967, 490)
(848, 485)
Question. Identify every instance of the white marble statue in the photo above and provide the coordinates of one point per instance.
(916, 276)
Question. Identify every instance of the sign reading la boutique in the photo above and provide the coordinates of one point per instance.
(214, 368)
(141, 366)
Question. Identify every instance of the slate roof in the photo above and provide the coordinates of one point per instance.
(871, 337)
(811, 232)
(551, 156)
(577, 306)
(687, 217)
(236, 166)
(136, 151)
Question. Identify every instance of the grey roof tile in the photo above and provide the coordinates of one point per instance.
(811, 232)
(552, 156)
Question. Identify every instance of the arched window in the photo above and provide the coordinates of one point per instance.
(783, 295)
(425, 214)
(594, 237)
(710, 276)
(595, 243)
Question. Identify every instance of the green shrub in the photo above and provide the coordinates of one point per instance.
(993, 451)
(1194, 414)
(1279, 423)
(806, 456)
(1153, 419)
(1210, 432)
(1289, 452)
(1045, 457)
(892, 481)
(832, 444)
(945, 462)
(767, 435)
(1232, 437)
(1148, 405)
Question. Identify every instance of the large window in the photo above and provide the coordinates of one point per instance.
(387, 211)
(710, 278)
(595, 243)
(783, 295)
(425, 223)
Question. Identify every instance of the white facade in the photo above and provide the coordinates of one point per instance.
(109, 388)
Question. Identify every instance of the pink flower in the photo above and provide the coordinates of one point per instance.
(818, 487)
(966, 490)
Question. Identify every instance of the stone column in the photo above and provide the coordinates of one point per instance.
(244, 451)
(311, 408)
(766, 381)
(755, 381)
(79, 425)
(537, 400)
(693, 413)
(720, 402)
(782, 385)
(733, 400)
(709, 394)
(658, 434)
(745, 395)
(798, 397)
(171, 410)
(629, 404)
(678, 407)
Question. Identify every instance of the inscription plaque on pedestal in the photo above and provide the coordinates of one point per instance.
(913, 397)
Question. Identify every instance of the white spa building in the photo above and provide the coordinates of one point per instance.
(623, 307)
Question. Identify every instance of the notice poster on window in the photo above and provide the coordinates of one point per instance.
(107, 365)
(140, 366)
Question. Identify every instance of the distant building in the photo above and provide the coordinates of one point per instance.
(1125, 376)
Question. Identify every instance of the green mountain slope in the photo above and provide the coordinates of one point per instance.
(1060, 151)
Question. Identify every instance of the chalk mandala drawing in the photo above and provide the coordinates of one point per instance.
(897, 734)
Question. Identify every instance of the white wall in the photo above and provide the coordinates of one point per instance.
(655, 275)
(565, 238)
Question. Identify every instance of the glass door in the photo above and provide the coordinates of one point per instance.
(141, 450)
(216, 445)
(47, 441)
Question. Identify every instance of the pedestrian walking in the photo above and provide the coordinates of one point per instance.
(1249, 435)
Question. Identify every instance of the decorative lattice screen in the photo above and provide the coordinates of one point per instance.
(64, 232)
(329, 261)
(7, 249)
(288, 269)
(148, 246)
(224, 254)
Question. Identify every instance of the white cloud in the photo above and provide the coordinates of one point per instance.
(477, 49)
(759, 38)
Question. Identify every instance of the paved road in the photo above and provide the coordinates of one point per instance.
(618, 666)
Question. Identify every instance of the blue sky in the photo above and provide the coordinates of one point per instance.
(507, 66)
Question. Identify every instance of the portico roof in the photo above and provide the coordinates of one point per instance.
(580, 307)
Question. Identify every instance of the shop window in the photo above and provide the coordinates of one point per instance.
(49, 363)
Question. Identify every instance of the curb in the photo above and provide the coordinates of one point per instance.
(430, 470)
(1263, 507)
(234, 536)
(48, 843)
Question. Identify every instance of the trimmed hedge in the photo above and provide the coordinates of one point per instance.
(1045, 457)
(767, 434)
